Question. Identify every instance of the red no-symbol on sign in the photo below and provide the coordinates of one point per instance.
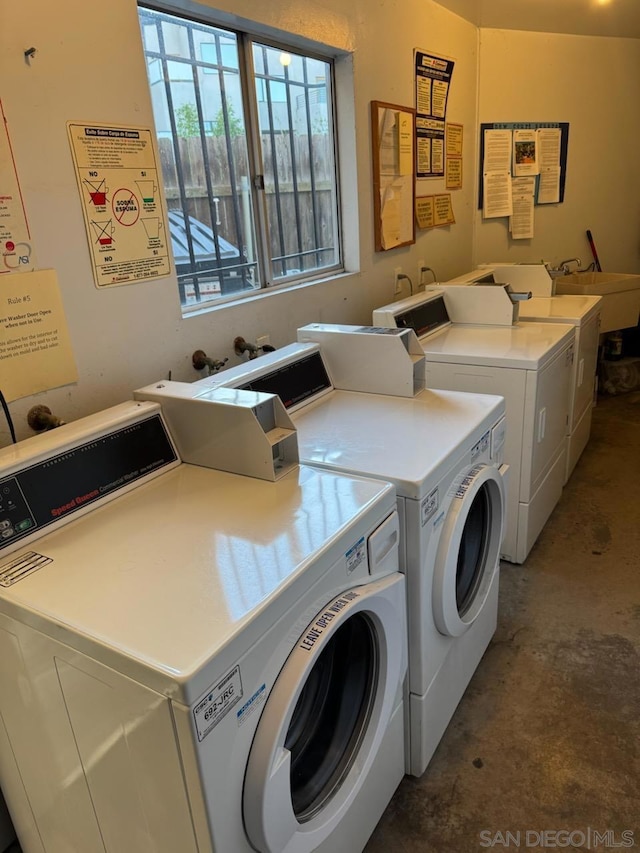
(126, 208)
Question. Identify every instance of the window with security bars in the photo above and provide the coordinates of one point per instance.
(246, 145)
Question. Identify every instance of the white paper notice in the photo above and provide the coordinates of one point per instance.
(522, 219)
(497, 151)
(548, 147)
(389, 149)
(35, 348)
(497, 195)
(396, 217)
(390, 216)
(549, 186)
(405, 144)
(16, 254)
(524, 186)
(525, 152)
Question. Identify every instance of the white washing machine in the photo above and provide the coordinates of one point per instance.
(620, 304)
(442, 451)
(583, 312)
(190, 659)
(529, 364)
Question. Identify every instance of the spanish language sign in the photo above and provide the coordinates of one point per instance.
(118, 183)
(35, 350)
(16, 253)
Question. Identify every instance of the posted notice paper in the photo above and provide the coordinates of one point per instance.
(35, 349)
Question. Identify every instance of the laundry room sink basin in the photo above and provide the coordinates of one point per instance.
(620, 293)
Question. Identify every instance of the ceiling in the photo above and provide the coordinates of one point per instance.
(616, 18)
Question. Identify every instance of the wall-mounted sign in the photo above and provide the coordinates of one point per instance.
(519, 149)
(16, 254)
(522, 165)
(35, 349)
(118, 182)
(433, 79)
(392, 135)
(433, 211)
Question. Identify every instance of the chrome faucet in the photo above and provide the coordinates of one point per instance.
(564, 265)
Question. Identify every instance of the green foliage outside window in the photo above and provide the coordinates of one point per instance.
(187, 121)
(187, 124)
(236, 127)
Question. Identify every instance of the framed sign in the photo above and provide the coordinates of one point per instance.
(393, 148)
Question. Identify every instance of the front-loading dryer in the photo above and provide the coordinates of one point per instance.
(582, 312)
(190, 659)
(443, 452)
(529, 364)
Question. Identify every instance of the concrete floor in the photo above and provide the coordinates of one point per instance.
(547, 735)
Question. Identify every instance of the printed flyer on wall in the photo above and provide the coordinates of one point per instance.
(16, 254)
(433, 80)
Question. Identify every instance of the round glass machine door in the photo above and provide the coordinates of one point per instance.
(331, 715)
(472, 553)
(468, 551)
(325, 717)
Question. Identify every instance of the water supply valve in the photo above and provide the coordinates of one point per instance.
(240, 346)
(40, 418)
(200, 360)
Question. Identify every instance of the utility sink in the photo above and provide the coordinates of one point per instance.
(620, 294)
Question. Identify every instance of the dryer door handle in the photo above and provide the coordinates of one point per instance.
(383, 546)
(542, 423)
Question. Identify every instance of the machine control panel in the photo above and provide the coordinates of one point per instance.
(42, 493)
(294, 382)
(424, 318)
(15, 515)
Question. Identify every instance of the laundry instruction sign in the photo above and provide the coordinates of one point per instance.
(117, 178)
(35, 347)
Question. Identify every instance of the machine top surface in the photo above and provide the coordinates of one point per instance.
(168, 573)
(576, 310)
(523, 345)
(409, 441)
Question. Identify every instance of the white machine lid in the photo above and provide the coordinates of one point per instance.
(190, 566)
(576, 310)
(524, 345)
(411, 442)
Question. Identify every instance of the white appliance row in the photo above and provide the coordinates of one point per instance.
(443, 452)
(192, 659)
(239, 580)
(529, 364)
(582, 312)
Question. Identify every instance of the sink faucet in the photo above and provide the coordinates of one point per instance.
(564, 265)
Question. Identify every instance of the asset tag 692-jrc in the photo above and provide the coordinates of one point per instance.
(218, 701)
(428, 507)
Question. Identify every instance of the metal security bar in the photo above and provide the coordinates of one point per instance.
(293, 239)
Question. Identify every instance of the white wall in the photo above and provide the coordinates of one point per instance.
(89, 67)
(594, 84)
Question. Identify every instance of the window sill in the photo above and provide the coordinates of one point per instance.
(263, 293)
